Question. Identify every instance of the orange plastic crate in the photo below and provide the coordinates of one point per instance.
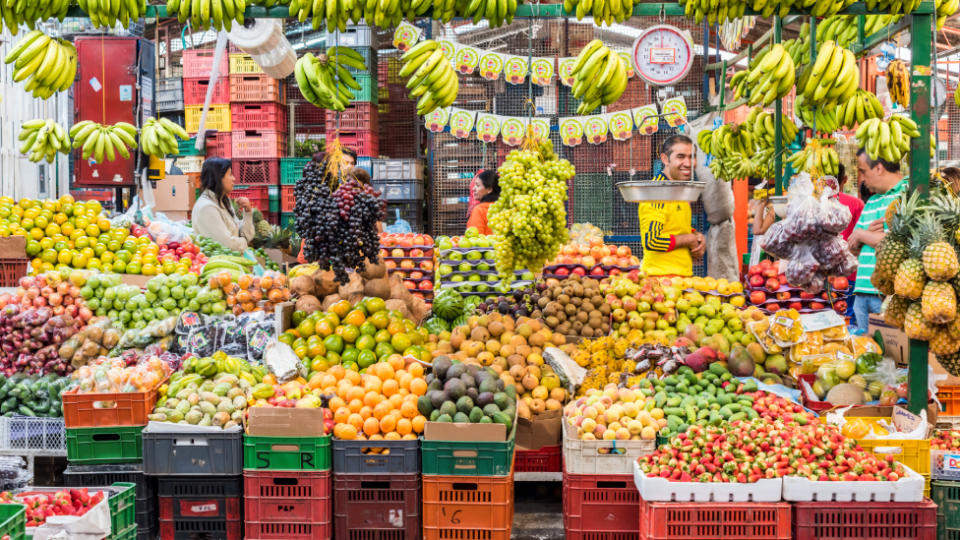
(467, 507)
(255, 144)
(256, 87)
(198, 62)
(107, 409)
(715, 521)
(263, 116)
(287, 202)
(949, 397)
(195, 91)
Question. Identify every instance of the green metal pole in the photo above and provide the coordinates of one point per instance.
(921, 111)
(778, 120)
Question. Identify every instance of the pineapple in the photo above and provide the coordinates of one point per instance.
(939, 302)
(264, 228)
(894, 247)
(950, 362)
(942, 342)
(915, 326)
(895, 310)
(910, 277)
(939, 257)
(947, 207)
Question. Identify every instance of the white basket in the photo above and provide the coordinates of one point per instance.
(654, 488)
(945, 465)
(30, 435)
(354, 36)
(908, 489)
(601, 457)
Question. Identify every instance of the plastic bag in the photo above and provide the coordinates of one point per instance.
(399, 226)
(258, 329)
(803, 221)
(14, 473)
(282, 361)
(230, 336)
(776, 241)
(835, 216)
(785, 328)
(163, 230)
(803, 265)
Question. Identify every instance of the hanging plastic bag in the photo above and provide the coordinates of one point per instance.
(399, 226)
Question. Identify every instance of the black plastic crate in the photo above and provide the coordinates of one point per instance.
(200, 486)
(105, 475)
(409, 211)
(193, 454)
(147, 516)
(201, 529)
(401, 457)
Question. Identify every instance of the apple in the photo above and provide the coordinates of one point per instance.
(840, 306)
(580, 271)
(623, 251)
(755, 270)
(407, 264)
(770, 272)
(817, 305)
(562, 271)
(416, 274)
(841, 283)
(426, 285)
(465, 267)
(795, 305)
(758, 297)
(785, 295)
(634, 275)
(416, 252)
(589, 261)
(615, 272)
(396, 252)
(782, 278)
(773, 284)
(807, 296)
(756, 281)
(426, 266)
(445, 269)
(597, 271)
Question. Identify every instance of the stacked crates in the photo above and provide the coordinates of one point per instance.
(398, 122)
(197, 64)
(357, 126)
(145, 507)
(400, 182)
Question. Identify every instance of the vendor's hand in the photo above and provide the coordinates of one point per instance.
(244, 204)
(853, 242)
(699, 248)
(876, 226)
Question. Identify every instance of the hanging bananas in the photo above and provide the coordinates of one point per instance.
(15, 14)
(897, 7)
(817, 158)
(833, 78)
(432, 77)
(820, 119)
(50, 64)
(898, 82)
(715, 11)
(159, 137)
(106, 13)
(103, 143)
(763, 130)
(599, 77)
(824, 8)
(206, 14)
(385, 14)
(887, 139)
(773, 76)
(335, 13)
(862, 106)
(42, 139)
(325, 81)
(843, 28)
(603, 11)
(497, 12)
(945, 8)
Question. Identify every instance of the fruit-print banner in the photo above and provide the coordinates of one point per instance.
(405, 36)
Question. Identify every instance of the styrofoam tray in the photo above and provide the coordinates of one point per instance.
(654, 488)
(909, 489)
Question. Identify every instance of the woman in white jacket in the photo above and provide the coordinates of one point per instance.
(213, 214)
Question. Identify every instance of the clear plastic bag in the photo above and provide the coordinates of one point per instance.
(776, 241)
(230, 336)
(14, 473)
(163, 230)
(835, 216)
(258, 327)
(802, 266)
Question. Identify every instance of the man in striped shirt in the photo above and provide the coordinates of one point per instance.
(885, 181)
(670, 244)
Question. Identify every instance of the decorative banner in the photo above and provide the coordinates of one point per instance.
(542, 71)
(595, 128)
(448, 48)
(491, 65)
(488, 127)
(512, 130)
(466, 59)
(620, 124)
(565, 70)
(405, 36)
(646, 119)
(627, 61)
(675, 111)
(540, 126)
(515, 69)
(461, 123)
(437, 120)
(571, 131)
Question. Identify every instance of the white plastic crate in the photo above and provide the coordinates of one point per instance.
(908, 489)
(654, 488)
(945, 465)
(186, 164)
(400, 190)
(397, 169)
(31, 435)
(353, 36)
(601, 457)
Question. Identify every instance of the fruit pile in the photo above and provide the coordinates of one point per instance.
(945, 440)
(769, 290)
(519, 303)
(297, 393)
(574, 307)
(33, 396)
(181, 257)
(450, 310)
(128, 306)
(246, 293)
(96, 339)
(593, 258)
(113, 375)
(614, 414)
(30, 339)
(210, 247)
(467, 393)
(52, 289)
(411, 256)
(65, 502)
(619, 361)
(467, 264)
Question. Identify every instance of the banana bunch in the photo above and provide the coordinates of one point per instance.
(29, 13)
(716, 11)
(772, 77)
(42, 139)
(897, 7)
(833, 78)
(862, 106)
(498, 12)
(207, 14)
(823, 120)
(824, 8)
(50, 64)
(599, 77)
(766, 8)
(898, 82)
(843, 28)
(102, 142)
(108, 13)
(887, 139)
(799, 47)
(159, 137)
(945, 8)
(325, 81)
(443, 10)
(817, 158)
(385, 13)
(603, 11)
(726, 140)
(334, 13)
(763, 131)
(432, 78)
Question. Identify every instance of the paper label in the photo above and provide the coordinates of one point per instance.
(488, 127)
(448, 48)
(491, 65)
(466, 59)
(542, 71)
(565, 70)
(461, 123)
(675, 110)
(620, 124)
(785, 322)
(646, 119)
(628, 63)
(515, 69)
(571, 131)
(815, 322)
(512, 131)
(405, 36)
(595, 128)
(540, 127)
(905, 421)
(437, 120)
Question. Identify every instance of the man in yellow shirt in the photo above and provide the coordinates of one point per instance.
(670, 243)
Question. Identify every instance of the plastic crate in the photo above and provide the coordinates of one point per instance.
(287, 201)
(354, 457)
(187, 164)
(546, 459)
(468, 458)
(32, 435)
(400, 190)
(397, 169)
(284, 497)
(195, 91)
(218, 118)
(357, 117)
(602, 457)
(191, 453)
(912, 453)
(169, 100)
(199, 62)
(306, 114)
(467, 507)
(129, 534)
(864, 520)
(262, 116)
(949, 398)
(188, 147)
(600, 503)
(365, 163)
(365, 143)
(224, 508)
(256, 87)
(287, 219)
(199, 487)
(354, 36)
(105, 475)
(368, 93)
(291, 170)
(11, 270)
(192, 529)
(107, 409)
(103, 445)
(256, 172)
(121, 497)
(714, 521)
(947, 497)
(242, 63)
(255, 530)
(13, 521)
(287, 453)
(376, 506)
(252, 144)
(411, 212)
(259, 195)
(219, 144)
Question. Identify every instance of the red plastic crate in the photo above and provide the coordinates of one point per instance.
(715, 521)
(360, 116)
(865, 520)
(467, 507)
(201, 528)
(365, 143)
(949, 397)
(600, 503)
(259, 195)
(287, 496)
(252, 144)
(195, 91)
(198, 62)
(219, 144)
(107, 409)
(287, 531)
(261, 116)
(256, 87)
(376, 506)
(546, 459)
(306, 114)
(225, 508)
(287, 202)
(272, 218)
(11, 270)
(256, 171)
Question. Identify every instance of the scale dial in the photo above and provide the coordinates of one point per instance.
(662, 55)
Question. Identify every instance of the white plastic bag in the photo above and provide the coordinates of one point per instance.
(282, 362)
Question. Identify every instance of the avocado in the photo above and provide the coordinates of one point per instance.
(437, 397)
(461, 418)
(476, 414)
(435, 384)
(455, 372)
(440, 366)
(473, 369)
(444, 418)
(500, 386)
(484, 399)
(465, 404)
(510, 390)
(487, 385)
(468, 380)
(449, 408)
(502, 400)
(472, 393)
(454, 389)
(434, 415)
(424, 405)
(490, 409)
(502, 418)
(485, 420)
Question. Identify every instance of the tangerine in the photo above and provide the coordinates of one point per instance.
(371, 426)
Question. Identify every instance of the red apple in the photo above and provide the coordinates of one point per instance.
(782, 278)
(755, 270)
(785, 295)
(816, 305)
(807, 296)
(758, 297)
(580, 271)
(795, 305)
(416, 274)
(773, 284)
(769, 272)
(841, 283)
(623, 251)
(756, 281)
(416, 252)
(426, 266)
(426, 285)
(562, 271)
(615, 272)
(597, 271)
(634, 275)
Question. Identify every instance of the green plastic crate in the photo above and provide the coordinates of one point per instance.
(130, 533)
(291, 170)
(287, 219)
(186, 147)
(287, 453)
(947, 496)
(123, 507)
(369, 92)
(13, 521)
(468, 458)
(103, 445)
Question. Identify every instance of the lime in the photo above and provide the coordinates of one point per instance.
(366, 343)
(333, 343)
(350, 355)
(366, 359)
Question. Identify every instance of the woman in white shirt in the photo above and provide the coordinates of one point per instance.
(213, 214)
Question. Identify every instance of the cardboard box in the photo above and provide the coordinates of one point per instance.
(177, 215)
(175, 193)
(466, 432)
(13, 247)
(894, 342)
(546, 429)
(284, 422)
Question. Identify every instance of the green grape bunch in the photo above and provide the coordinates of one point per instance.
(529, 219)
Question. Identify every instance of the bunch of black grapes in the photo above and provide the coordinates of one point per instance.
(518, 303)
(339, 228)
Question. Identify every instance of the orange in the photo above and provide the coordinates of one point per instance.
(415, 369)
(382, 409)
(353, 376)
(341, 415)
(388, 423)
(410, 437)
(371, 383)
(341, 308)
(395, 327)
(405, 381)
(366, 412)
(409, 410)
(327, 381)
(348, 432)
(355, 392)
(355, 317)
(371, 426)
(418, 386)
(396, 362)
(371, 398)
(418, 423)
(337, 371)
(355, 405)
(376, 437)
(355, 420)
(385, 371)
(390, 387)
(343, 388)
(392, 436)
(404, 426)
(396, 401)
(336, 403)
